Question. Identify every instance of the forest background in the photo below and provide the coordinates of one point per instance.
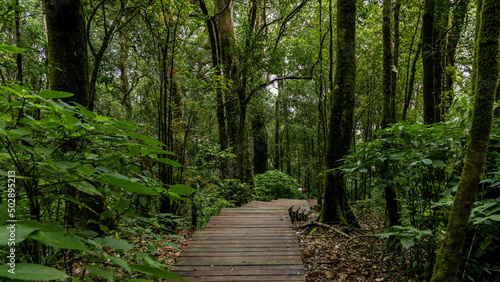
(125, 119)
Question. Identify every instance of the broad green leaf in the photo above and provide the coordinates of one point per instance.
(495, 217)
(101, 272)
(150, 141)
(131, 186)
(85, 187)
(181, 189)
(407, 242)
(58, 240)
(22, 232)
(169, 162)
(156, 272)
(86, 113)
(21, 131)
(12, 49)
(52, 94)
(121, 263)
(65, 165)
(32, 272)
(116, 244)
(157, 151)
(3, 125)
(427, 161)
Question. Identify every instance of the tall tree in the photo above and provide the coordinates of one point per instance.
(487, 68)
(428, 61)
(388, 115)
(336, 206)
(68, 48)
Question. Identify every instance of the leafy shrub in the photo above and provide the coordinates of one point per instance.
(52, 147)
(275, 184)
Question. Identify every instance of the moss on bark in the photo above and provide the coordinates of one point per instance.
(336, 206)
(68, 49)
(487, 57)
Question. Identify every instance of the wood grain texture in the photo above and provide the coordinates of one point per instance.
(253, 243)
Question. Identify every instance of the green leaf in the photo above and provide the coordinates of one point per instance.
(85, 187)
(22, 232)
(116, 244)
(156, 272)
(51, 94)
(169, 162)
(101, 272)
(150, 141)
(121, 263)
(32, 272)
(65, 165)
(86, 113)
(58, 240)
(12, 49)
(495, 217)
(131, 186)
(427, 161)
(3, 125)
(181, 189)
(407, 242)
(21, 131)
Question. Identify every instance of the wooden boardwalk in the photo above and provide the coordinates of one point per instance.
(253, 243)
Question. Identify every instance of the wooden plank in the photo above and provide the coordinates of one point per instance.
(236, 261)
(245, 278)
(208, 249)
(244, 237)
(229, 268)
(201, 253)
(252, 243)
(242, 272)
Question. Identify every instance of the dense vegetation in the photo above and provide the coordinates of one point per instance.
(132, 119)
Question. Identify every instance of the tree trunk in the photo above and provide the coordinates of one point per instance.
(277, 143)
(395, 59)
(428, 61)
(449, 255)
(336, 206)
(259, 144)
(440, 28)
(68, 49)
(126, 101)
(387, 65)
(457, 26)
(19, 57)
(388, 115)
(410, 81)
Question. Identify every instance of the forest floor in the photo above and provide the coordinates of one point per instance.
(329, 256)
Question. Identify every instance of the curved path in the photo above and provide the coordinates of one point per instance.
(253, 243)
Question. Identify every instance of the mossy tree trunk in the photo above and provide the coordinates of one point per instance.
(388, 115)
(68, 49)
(336, 207)
(428, 61)
(487, 57)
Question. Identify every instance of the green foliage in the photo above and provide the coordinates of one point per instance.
(275, 184)
(52, 147)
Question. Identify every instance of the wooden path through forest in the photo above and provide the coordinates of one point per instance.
(253, 243)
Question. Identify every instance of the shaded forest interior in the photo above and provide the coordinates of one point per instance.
(127, 124)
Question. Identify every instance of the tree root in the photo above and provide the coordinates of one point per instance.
(324, 225)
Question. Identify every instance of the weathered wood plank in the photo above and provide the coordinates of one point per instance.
(252, 243)
(276, 252)
(238, 261)
(230, 268)
(245, 278)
